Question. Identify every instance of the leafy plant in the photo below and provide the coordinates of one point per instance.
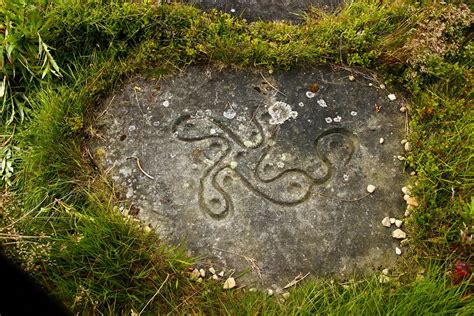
(25, 59)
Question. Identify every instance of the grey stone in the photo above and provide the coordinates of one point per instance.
(295, 199)
(253, 10)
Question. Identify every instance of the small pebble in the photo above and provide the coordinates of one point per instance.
(406, 190)
(166, 103)
(382, 86)
(212, 270)
(398, 223)
(413, 173)
(412, 201)
(406, 197)
(392, 97)
(399, 234)
(407, 213)
(215, 277)
(351, 78)
(392, 220)
(285, 295)
(195, 274)
(202, 272)
(370, 188)
(270, 292)
(386, 222)
(221, 274)
(199, 280)
(401, 158)
(232, 10)
(233, 164)
(229, 283)
(385, 271)
(381, 140)
(252, 289)
(407, 146)
(403, 142)
(384, 279)
(403, 109)
(398, 251)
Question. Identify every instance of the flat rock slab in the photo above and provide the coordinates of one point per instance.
(240, 165)
(253, 10)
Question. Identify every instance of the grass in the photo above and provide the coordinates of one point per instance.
(98, 260)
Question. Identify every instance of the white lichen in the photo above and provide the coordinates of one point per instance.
(337, 119)
(322, 103)
(280, 112)
(328, 120)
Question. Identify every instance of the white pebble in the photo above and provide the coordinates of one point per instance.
(370, 188)
(392, 97)
(215, 277)
(310, 94)
(202, 272)
(386, 222)
(406, 197)
(406, 190)
(401, 158)
(301, 104)
(403, 142)
(392, 220)
(385, 271)
(407, 146)
(232, 10)
(270, 292)
(398, 251)
(403, 109)
(229, 283)
(212, 131)
(166, 103)
(382, 86)
(328, 120)
(233, 164)
(212, 270)
(221, 274)
(351, 78)
(398, 223)
(229, 113)
(353, 113)
(337, 119)
(371, 84)
(399, 234)
(381, 140)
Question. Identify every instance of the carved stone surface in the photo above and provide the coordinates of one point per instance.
(258, 165)
(254, 10)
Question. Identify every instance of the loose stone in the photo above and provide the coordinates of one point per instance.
(386, 222)
(407, 146)
(385, 271)
(370, 188)
(270, 292)
(351, 78)
(407, 212)
(285, 295)
(384, 279)
(401, 158)
(392, 220)
(195, 274)
(229, 283)
(381, 140)
(399, 234)
(406, 190)
(403, 109)
(406, 197)
(403, 142)
(392, 97)
(215, 277)
(398, 251)
(212, 270)
(412, 201)
(221, 274)
(202, 272)
(382, 86)
(398, 223)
